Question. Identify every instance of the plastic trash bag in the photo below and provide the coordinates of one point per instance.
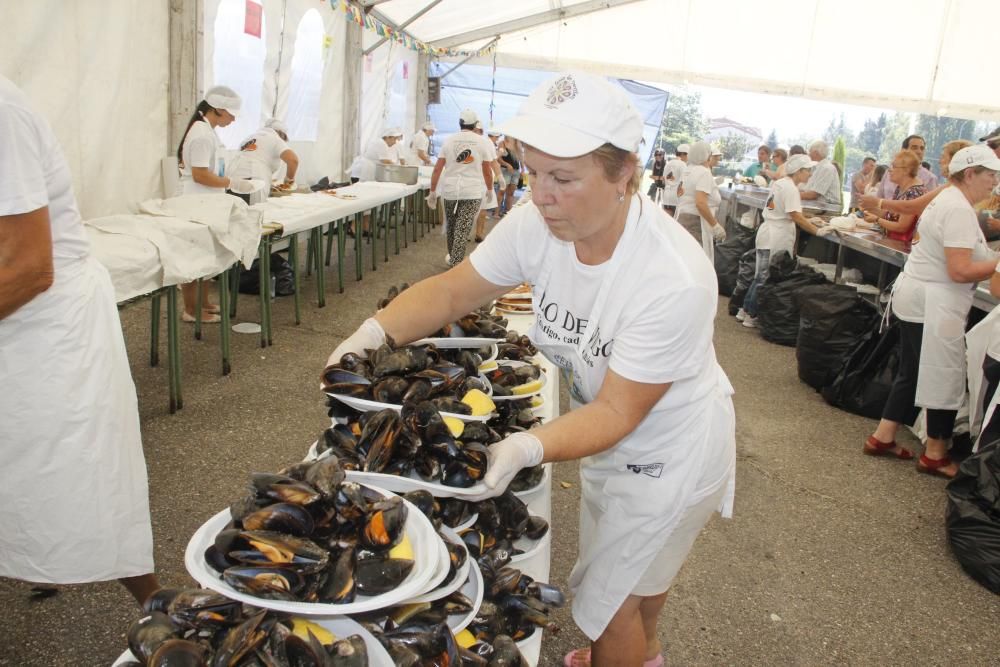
(744, 276)
(727, 258)
(972, 517)
(777, 307)
(865, 379)
(281, 273)
(832, 319)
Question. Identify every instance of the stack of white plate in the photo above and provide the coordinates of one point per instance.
(828, 270)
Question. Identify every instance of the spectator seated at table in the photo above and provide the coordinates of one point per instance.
(860, 181)
(903, 173)
(763, 164)
(824, 184)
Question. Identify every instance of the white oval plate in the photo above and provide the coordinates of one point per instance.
(427, 550)
(458, 342)
(514, 364)
(530, 547)
(368, 405)
(460, 577)
(472, 589)
(341, 628)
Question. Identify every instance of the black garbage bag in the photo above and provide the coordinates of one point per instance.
(865, 378)
(727, 258)
(832, 319)
(973, 516)
(744, 276)
(281, 271)
(777, 307)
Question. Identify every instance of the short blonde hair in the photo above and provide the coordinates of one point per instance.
(910, 161)
(614, 160)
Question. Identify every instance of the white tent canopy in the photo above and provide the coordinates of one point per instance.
(929, 56)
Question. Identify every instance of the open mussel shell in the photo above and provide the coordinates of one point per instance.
(284, 489)
(281, 517)
(378, 438)
(148, 633)
(270, 583)
(270, 547)
(338, 584)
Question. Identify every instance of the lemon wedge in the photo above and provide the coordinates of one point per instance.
(301, 628)
(455, 425)
(527, 387)
(535, 401)
(488, 366)
(402, 550)
(480, 403)
(464, 638)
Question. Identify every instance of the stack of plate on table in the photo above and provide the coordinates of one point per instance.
(515, 302)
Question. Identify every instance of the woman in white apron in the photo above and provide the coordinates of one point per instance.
(74, 504)
(261, 155)
(782, 213)
(931, 299)
(699, 198)
(652, 419)
(672, 174)
(202, 174)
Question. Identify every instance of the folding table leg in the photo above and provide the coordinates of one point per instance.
(309, 255)
(397, 212)
(154, 329)
(173, 352)
(267, 295)
(386, 214)
(373, 235)
(329, 241)
(199, 305)
(293, 259)
(317, 233)
(234, 287)
(358, 263)
(340, 254)
(224, 313)
(264, 283)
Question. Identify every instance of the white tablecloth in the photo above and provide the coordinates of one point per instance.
(300, 211)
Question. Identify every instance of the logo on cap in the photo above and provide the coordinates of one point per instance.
(563, 89)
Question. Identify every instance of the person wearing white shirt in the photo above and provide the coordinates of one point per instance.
(672, 175)
(699, 198)
(931, 299)
(421, 143)
(200, 174)
(824, 183)
(782, 213)
(381, 150)
(262, 154)
(461, 177)
(74, 498)
(624, 305)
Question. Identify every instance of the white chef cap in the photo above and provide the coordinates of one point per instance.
(224, 97)
(699, 152)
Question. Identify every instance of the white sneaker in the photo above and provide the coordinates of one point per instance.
(750, 322)
(741, 315)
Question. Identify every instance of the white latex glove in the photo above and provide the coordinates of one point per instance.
(432, 200)
(718, 233)
(369, 336)
(825, 230)
(506, 458)
(241, 186)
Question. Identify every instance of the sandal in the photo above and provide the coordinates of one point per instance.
(576, 656)
(930, 466)
(873, 447)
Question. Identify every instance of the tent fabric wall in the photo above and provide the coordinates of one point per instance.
(388, 90)
(98, 73)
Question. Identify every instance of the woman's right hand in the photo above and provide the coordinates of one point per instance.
(369, 336)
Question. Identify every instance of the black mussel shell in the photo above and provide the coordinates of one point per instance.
(338, 585)
(405, 360)
(378, 438)
(244, 638)
(390, 389)
(299, 553)
(419, 389)
(384, 527)
(536, 528)
(349, 652)
(527, 478)
(506, 653)
(179, 653)
(546, 593)
(350, 501)
(374, 576)
(271, 583)
(446, 404)
(423, 500)
(160, 600)
(284, 489)
(281, 517)
(148, 633)
(325, 475)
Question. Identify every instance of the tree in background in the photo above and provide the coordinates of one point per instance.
(840, 158)
(870, 136)
(939, 130)
(683, 121)
(735, 146)
(896, 129)
(772, 140)
(837, 129)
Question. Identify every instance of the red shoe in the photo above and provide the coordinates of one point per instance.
(873, 447)
(930, 466)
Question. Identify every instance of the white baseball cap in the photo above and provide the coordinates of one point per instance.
(276, 125)
(575, 113)
(978, 155)
(797, 162)
(683, 148)
(429, 126)
(716, 151)
(224, 97)
(468, 117)
(392, 132)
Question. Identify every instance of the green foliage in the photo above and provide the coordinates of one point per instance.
(840, 157)
(939, 130)
(735, 146)
(897, 128)
(870, 136)
(683, 122)
(837, 129)
(772, 140)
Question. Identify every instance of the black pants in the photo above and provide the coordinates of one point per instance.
(899, 406)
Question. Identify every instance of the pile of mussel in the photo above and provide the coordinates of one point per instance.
(505, 377)
(199, 627)
(308, 535)
(413, 440)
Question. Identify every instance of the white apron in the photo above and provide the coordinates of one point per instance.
(941, 375)
(191, 187)
(74, 504)
(633, 494)
(707, 240)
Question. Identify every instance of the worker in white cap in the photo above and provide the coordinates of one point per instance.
(421, 143)
(698, 199)
(381, 150)
(672, 175)
(201, 174)
(262, 154)
(624, 304)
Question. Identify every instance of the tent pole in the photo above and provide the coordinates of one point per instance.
(402, 25)
(185, 65)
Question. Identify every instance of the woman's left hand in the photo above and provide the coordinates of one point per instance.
(506, 459)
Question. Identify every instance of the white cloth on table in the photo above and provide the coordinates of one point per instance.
(201, 144)
(74, 504)
(777, 232)
(133, 263)
(647, 327)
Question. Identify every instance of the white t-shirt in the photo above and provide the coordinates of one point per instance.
(778, 229)
(664, 330)
(698, 178)
(35, 175)
(260, 156)
(464, 154)
(825, 180)
(673, 168)
(378, 150)
(949, 221)
(200, 145)
(421, 142)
